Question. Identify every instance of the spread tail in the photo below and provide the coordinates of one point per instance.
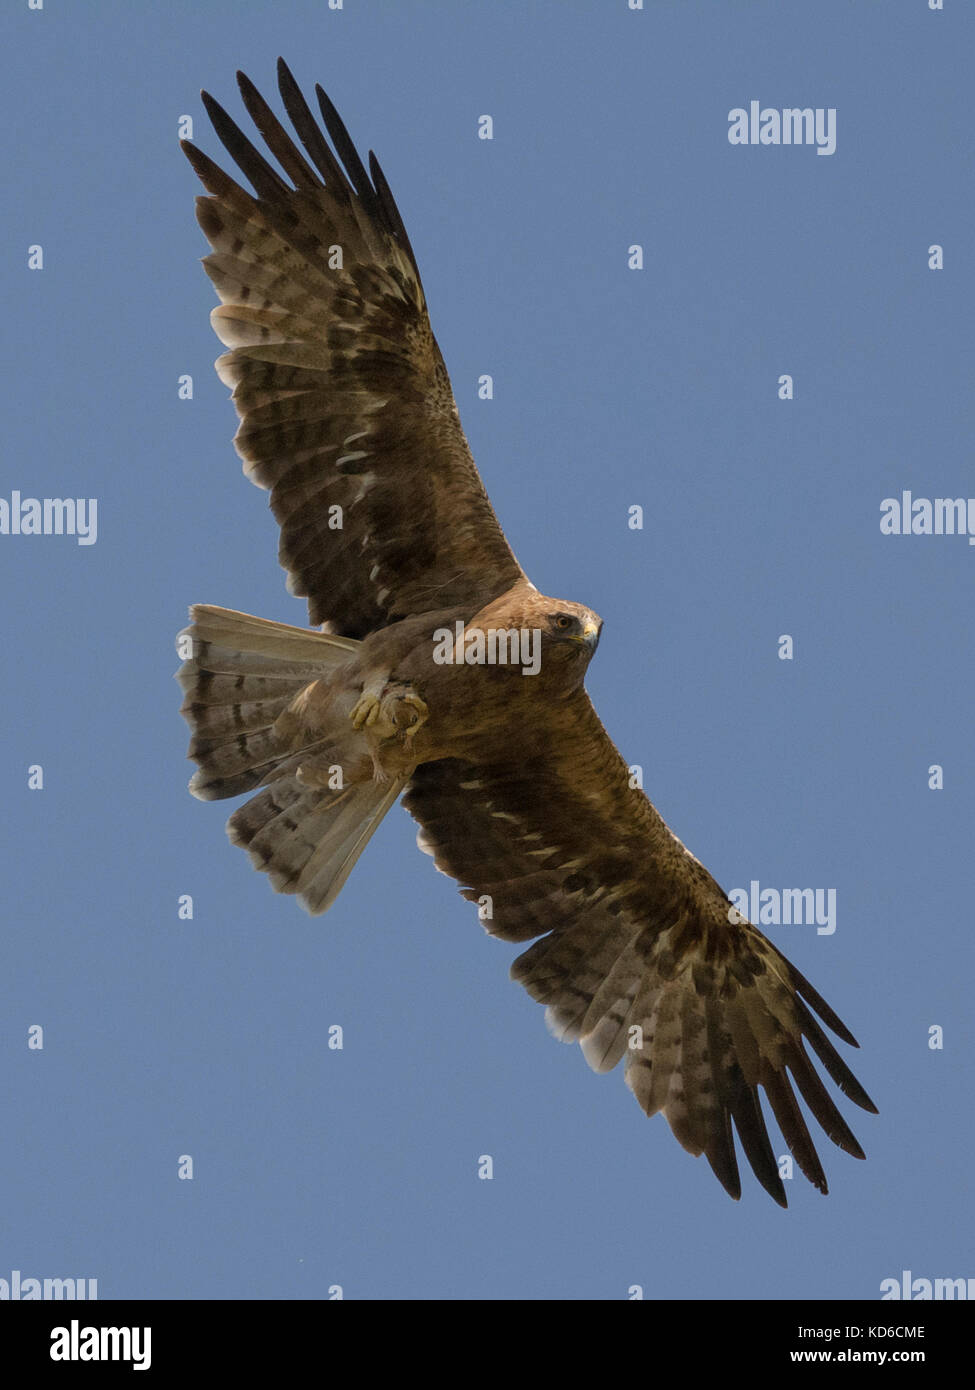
(241, 675)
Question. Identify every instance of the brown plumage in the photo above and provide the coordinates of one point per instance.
(441, 671)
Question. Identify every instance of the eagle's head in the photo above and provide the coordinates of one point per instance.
(572, 625)
(569, 637)
(560, 635)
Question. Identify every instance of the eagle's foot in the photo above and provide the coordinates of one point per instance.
(401, 714)
(365, 711)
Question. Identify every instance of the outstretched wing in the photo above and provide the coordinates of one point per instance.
(641, 959)
(347, 414)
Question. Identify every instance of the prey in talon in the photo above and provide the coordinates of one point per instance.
(397, 714)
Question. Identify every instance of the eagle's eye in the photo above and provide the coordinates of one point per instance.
(562, 622)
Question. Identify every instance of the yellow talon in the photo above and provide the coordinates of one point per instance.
(365, 711)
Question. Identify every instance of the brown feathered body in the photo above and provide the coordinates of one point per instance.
(348, 419)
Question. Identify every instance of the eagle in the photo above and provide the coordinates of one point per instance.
(435, 670)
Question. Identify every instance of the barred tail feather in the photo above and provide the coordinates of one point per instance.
(243, 674)
(308, 840)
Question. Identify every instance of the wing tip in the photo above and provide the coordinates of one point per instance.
(816, 1001)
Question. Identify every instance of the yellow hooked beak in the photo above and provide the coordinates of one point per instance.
(590, 636)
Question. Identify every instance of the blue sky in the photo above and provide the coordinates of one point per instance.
(613, 387)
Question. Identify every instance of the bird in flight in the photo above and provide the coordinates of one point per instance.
(435, 669)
